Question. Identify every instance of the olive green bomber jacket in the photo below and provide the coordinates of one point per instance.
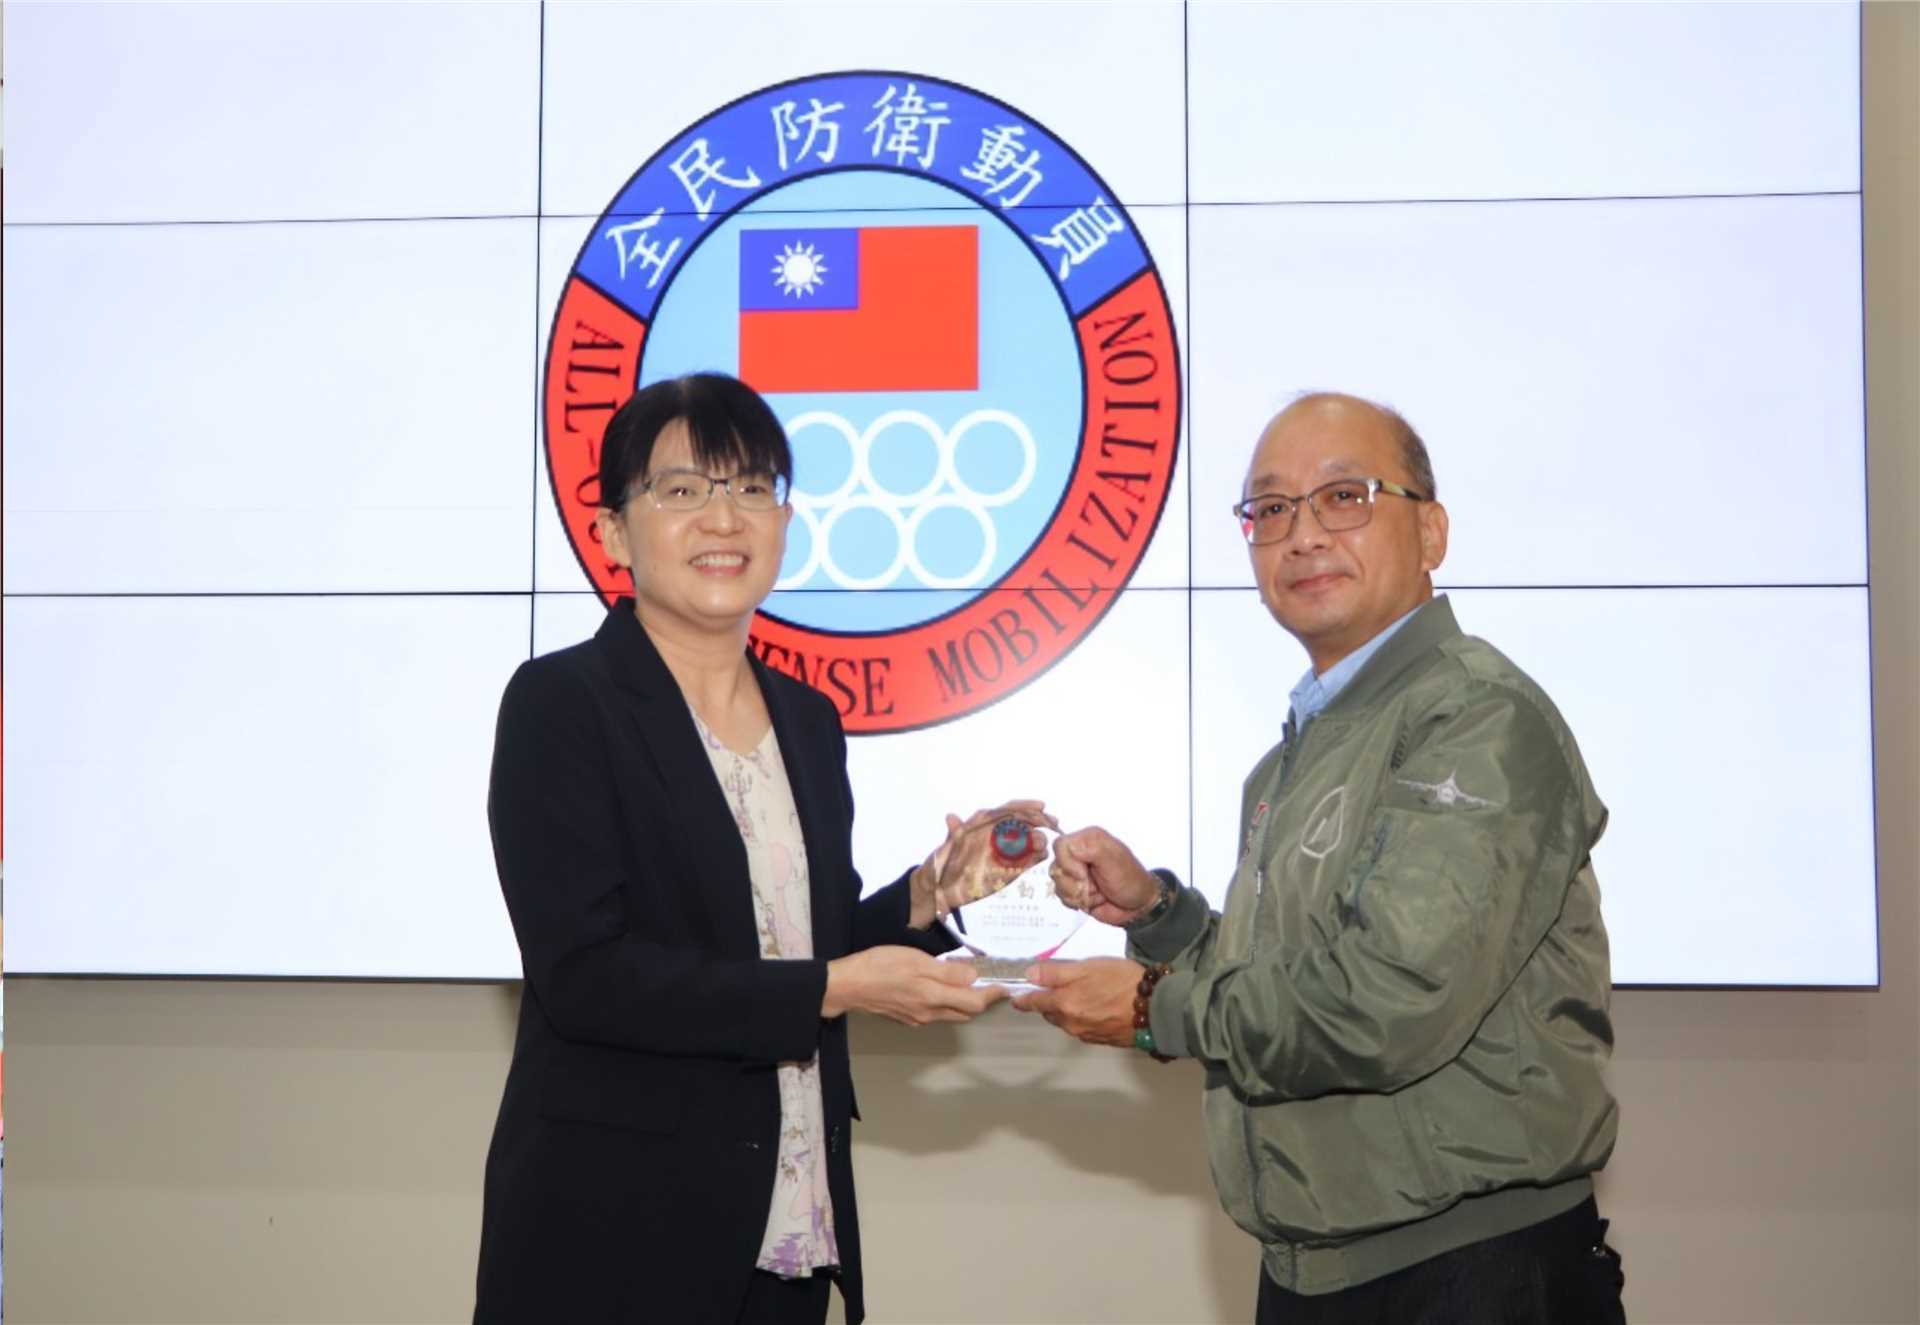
(1402, 1010)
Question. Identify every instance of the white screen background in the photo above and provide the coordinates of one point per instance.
(278, 283)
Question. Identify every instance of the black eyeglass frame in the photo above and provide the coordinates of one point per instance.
(1244, 510)
(781, 489)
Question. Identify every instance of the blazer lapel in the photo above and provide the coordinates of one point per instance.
(813, 781)
(698, 828)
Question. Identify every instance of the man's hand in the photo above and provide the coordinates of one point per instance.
(1095, 872)
(964, 868)
(907, 986)
(1091, 1000)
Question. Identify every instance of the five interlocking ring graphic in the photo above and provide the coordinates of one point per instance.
(946, 490)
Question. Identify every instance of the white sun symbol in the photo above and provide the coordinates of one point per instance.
(799, 269)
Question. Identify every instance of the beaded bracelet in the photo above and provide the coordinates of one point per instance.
(1143, 1015)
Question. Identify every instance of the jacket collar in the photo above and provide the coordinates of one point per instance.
(1427, 629)
(636, 664)
(639, 669)
(708, 845)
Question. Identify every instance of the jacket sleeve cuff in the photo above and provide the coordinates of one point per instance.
(1167, 1014)
(791, 1024)
(1173, 933)
(883, 917)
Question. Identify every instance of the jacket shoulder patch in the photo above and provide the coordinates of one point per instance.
(1445, 794)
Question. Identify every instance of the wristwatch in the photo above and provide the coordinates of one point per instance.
(1162, 902)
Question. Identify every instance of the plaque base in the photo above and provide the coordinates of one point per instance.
(1009, 971)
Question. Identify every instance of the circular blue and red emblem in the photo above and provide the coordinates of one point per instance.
(966, 339)
(1012, 841)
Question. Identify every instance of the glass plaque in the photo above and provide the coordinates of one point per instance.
(1012, 917)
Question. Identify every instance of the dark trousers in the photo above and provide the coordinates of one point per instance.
(1557, 1272)
(772, 1300)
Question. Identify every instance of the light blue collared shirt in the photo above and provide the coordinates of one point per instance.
(1316, 692)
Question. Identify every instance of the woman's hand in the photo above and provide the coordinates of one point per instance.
(964, 868)
(907, 986)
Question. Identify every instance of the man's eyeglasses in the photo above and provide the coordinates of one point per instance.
(1343, 504)
(689, 490)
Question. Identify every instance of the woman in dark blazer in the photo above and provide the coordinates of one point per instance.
(666, 1074)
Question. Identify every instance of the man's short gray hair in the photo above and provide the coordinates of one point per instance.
(1413, 451)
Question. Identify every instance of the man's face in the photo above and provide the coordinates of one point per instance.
(1334, 592)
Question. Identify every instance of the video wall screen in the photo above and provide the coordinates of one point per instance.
(314, 314)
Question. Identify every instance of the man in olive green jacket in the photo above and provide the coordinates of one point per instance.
(1402, 1009)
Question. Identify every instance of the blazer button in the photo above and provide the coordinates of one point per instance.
(750, 1145)
(833, 1141)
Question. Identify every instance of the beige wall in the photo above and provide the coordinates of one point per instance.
(238, 1151)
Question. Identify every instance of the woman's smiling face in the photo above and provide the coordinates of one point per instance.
(710, 568)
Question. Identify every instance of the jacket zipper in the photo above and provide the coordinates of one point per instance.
(1289, 751)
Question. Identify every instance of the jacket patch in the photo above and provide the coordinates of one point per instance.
(1326, 825)
(1446, 794)
(1253, 826)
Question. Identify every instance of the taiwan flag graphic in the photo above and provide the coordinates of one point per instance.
(880, 308)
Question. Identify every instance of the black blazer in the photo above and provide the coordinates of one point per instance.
(632, 1163)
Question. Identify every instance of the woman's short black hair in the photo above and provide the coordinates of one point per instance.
(728, 422)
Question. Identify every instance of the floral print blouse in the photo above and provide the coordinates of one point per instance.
(800, 1237)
